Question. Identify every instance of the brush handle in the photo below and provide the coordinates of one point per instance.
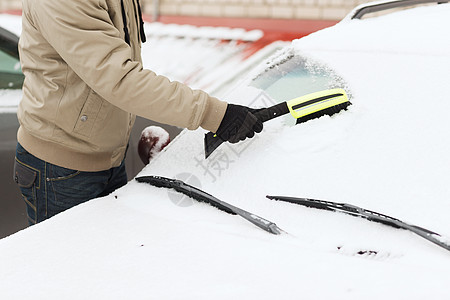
(269, 113)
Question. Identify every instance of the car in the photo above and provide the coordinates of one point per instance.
(218, 45)
(386, 156)
(10, 77)
(12, 211)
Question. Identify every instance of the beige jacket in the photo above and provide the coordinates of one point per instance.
(84, 84)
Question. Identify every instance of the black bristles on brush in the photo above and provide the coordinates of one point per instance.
(328, 111)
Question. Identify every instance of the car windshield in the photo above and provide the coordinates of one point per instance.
(296, 76)
(11, 76)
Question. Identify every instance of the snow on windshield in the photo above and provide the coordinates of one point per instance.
(294, 76)
(386, 153)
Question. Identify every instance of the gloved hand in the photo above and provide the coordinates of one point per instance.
(238, 124)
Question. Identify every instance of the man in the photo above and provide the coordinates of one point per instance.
(84, 84)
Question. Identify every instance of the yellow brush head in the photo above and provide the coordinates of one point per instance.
(317, 103)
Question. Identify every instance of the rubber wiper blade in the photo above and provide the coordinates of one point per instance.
(368, 215)
(201, 196)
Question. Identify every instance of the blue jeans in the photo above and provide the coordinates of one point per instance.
(49, 189)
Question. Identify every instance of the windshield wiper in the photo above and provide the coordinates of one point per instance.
(367, 214)
(202, 196)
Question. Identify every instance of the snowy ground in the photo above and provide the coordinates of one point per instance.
(388, 153)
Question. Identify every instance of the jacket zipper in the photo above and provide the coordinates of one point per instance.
(139, 22)
(125, 27)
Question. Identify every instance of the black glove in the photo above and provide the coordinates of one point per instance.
(238, 124)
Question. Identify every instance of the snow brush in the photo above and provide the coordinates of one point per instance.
(304, 108)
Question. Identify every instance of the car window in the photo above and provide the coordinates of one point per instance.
(11, 76)
(295, 76)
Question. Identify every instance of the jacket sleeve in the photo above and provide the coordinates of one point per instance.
(84, 36)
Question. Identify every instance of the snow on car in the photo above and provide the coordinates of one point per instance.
(387, 153)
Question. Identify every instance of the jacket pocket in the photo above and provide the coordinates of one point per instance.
(23, 175)
(88, 114)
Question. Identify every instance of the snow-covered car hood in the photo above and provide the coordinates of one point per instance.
(388, 152)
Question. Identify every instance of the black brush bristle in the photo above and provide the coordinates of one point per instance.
(327, 111)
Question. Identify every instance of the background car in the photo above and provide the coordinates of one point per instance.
(387, 153)
(12, 210)
(10, 75)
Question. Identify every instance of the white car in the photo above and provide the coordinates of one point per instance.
(387, 153)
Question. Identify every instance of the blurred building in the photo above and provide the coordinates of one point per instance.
(273, 9)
